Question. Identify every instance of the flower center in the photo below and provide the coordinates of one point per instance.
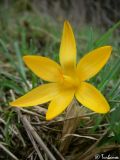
(70, 81)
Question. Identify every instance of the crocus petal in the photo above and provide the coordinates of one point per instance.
(59, 103)
(91, 98)
(39, 95)
(68, 49)
(93, 62)
(43, 67)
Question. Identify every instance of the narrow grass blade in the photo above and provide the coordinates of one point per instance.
(12, 61)
(20, 61)
(112, 72)
(104, 38)
(11, 84)
(7, 54)
(114, 90)
(90, 39)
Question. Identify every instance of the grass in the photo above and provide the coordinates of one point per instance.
(28, 32)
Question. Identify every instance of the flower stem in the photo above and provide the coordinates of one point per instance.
(73, 114)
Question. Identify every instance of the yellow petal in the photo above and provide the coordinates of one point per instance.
(44, 67)
(59, 103)
(39, 95)
(68, 49)
(93, 62)
(91, 98)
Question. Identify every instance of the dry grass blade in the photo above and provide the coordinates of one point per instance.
(101, 150)
(19, 135)
(8, 152)
(2, 120)
(29, 127)
(70, 125)
(89, 151)
(34, 144)
(60, 119)
(37, 138)
(16, 132)
(29, 112)
(58, 153)
(80, 136)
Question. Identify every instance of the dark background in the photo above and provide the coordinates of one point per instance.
(96, 12)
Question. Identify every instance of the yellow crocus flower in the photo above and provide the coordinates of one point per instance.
(67, 80)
